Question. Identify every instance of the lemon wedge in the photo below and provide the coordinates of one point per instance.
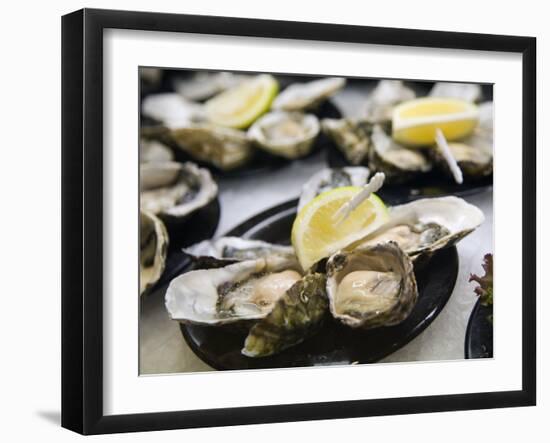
(315, 235)
(415, 122)
(240, 106)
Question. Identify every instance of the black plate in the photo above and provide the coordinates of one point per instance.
(334, 344)
(479, 333)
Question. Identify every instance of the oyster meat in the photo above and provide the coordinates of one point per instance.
(171, 109)
(225, 148)
(285, 134)
(397, 162)
(153, 245)
(330, 178)
(426, 225)
(385, 96)
(371, 286)
(172, 189)
(465, 91)
(296, 315)
(154, 151)
(247, 290)
(303, 96)
(351, 137)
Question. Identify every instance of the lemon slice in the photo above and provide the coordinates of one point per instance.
(415, 122)
(314, 233)
(240, 106)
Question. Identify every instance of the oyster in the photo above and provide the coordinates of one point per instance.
(296, 316)
(397, 162)
(465, 91)
(371, 286)
(154, 151)
(285, 134)
(474, 154)
(153, 245)
(247, 290)
(426, 225)
(172, 189)
(351, 137)
(303, 96)
(225, 148)
(330, 178)
(171, 109)
(203, 85)
(236, 248)
(385, 96)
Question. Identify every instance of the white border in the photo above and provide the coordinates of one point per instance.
(126, 392)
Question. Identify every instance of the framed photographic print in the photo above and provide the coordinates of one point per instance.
(270, 221)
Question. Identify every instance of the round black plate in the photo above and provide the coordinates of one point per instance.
(334, 344)
(479, 333)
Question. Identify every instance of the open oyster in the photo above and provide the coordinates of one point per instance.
(351, 137)
(203, 85)
(426, 225)
(385, 96)
(465, 91)
(224, 148)
(154, 151)
(171, 109)
(247, 290)
(285, 134)
(330, 178)
(303, 96)
(153, 245)
(474, 154)
(236, 248)
(371, 286)
(175, 189)
(397, 162)
(296, 316)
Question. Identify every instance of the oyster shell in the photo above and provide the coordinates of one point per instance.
(385, 96)
(296, 316)
(371, 286)
(351, 137)
(330, 178)
(474, 154)
(426, 225)
(153, 245)
(225, 148)
(172, 189)
(171, 109)
(247, 290)
(397, 162)
(236, 248)
(465, 91)
(303, 96)
(285, 134)
(154, 151)
(203, 85)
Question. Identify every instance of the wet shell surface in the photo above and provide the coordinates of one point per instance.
(426, 225)
(153, 245)
(171, 109)
(385, 96)
(351, 137)
(243, 291)
(154, 151)
(285, 134)
(330, 178)
(465, 91)
(304, 96)
(225, 148)
(397, 162)
(175, 189)
(371, 286)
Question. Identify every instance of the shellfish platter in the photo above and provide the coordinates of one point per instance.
(289, 221)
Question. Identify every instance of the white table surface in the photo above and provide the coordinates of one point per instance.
(162, 348)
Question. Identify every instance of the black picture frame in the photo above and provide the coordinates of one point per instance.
(82, 219)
